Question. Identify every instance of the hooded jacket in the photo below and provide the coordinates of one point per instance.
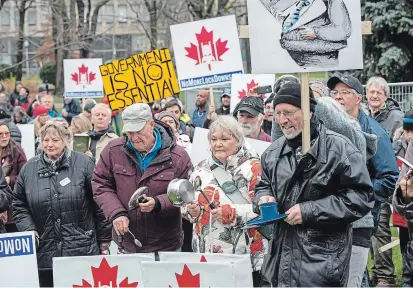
(390, 117)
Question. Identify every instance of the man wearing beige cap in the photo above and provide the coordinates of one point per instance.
(146, 156)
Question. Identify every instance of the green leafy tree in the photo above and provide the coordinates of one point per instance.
(388, 51)
(48, 73)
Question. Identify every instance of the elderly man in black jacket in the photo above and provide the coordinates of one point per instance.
(322, 191)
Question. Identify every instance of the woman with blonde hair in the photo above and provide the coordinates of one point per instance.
(53, 197)
(80, 124)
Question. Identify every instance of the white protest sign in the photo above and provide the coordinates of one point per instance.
(202, 151)
(305, 36)
(100, 271)
(28, 139)
(17, 258)
(82, 78)
(242, 83)
(207, 52)
(183, 274)
(242, 263)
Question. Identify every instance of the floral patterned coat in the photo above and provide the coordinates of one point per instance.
(227, 237)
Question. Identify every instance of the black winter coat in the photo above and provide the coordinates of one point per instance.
(333, 189)
(59, 205)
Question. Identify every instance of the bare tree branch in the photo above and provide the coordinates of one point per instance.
(2, 3)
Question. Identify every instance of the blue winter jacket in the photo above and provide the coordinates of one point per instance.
(382, 166)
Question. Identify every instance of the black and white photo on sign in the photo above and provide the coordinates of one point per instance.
(305, 35)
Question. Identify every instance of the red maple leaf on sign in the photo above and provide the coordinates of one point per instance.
(243, 93)
(105, 275)
(207, 51)
(203, 259)
(83, 77)
(186, 279)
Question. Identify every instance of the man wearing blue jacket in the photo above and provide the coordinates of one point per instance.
(348, 91)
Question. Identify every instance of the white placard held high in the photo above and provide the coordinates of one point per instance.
(207, 52)
(100, 271)
(241, 84)
(202, 151)
(18, 260)
(305, 36)
(82, 78)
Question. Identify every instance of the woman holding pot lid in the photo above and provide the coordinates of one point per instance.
(231, 162)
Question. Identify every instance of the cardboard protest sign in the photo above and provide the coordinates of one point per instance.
(207, 52)
(241, 84)
(183, 274)
(242, 263)
(82, 79)
(203, 151)
(28, 139)
(141, 78)
(305, 36)
(17, 256)
(100, 271)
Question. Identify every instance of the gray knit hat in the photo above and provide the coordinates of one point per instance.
(166, 113)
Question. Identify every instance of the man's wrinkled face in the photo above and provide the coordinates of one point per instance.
(201, 98)
(100, 118)
(248, 122)
(375, 97)
(290, 119)
(141, 140)
(48, 102)
(344, 95)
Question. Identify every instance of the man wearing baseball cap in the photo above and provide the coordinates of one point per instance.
(322, 192)
(250, 114)
(348, 91)
(146, 156)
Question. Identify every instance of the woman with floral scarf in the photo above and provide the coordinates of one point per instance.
(227, 179)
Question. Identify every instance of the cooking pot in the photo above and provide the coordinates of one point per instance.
(180, 192)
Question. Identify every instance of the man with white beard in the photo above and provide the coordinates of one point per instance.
(250, 115)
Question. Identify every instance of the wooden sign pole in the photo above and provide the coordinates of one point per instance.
(304, 79)
(211, 96)
(305, 107)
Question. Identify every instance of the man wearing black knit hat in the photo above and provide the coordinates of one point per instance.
(322, 192)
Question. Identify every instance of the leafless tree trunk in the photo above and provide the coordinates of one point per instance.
(2, 3)
(61, 37)
(24, 5)
(87, 24)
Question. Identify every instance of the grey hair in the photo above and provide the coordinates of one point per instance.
(230, 125)
(101, 105)
(380, 83)
(62, 129)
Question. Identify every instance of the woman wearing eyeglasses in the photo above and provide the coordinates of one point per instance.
(12, 161)
(53, 197)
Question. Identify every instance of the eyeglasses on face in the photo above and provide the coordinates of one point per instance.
(286, 114)
(4, 134)
(344, 93)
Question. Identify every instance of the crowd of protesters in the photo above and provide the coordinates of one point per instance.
(339, 196)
